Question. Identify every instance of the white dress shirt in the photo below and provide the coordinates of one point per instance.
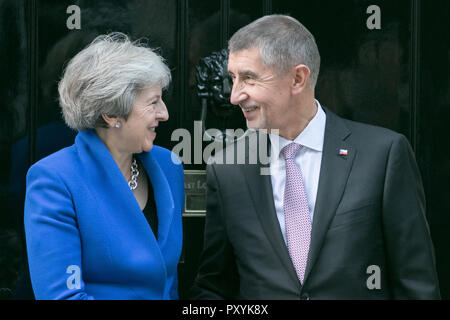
(308, 159)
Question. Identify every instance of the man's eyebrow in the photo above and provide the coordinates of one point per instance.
(246, 74)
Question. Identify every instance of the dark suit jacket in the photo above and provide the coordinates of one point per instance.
(370, 211)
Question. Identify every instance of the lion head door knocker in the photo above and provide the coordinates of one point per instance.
(214, 89)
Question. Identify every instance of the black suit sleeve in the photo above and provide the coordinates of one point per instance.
(410, 253)
(217, 276)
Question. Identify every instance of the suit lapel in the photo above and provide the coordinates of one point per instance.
(260, 188)
(334, 172)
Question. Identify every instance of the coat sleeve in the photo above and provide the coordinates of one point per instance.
(52, 237)
(217, 277)
(410, 253)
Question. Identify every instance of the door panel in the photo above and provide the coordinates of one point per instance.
(433, 118)
(364, 73)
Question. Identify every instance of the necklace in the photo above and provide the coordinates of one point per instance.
(134, 175)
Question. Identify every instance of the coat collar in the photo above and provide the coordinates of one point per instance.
(107, 182)
(163, 194)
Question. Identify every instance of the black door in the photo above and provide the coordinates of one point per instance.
(383, 62)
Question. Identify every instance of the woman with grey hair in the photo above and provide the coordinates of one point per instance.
(103, 216)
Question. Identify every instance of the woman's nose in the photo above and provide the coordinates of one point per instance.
(161, 113)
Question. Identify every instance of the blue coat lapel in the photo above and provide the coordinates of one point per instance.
(108, 183)
(163, 194)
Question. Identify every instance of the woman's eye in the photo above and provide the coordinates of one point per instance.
(153, 103)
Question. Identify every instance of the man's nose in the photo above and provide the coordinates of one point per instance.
(237, 94)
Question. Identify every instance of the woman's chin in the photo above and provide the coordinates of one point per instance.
(148, 147)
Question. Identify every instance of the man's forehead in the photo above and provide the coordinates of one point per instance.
(251, 53)
(245, 62)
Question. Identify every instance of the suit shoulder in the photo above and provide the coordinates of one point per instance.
(371, 134)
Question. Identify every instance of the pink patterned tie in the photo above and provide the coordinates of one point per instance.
(296, 212)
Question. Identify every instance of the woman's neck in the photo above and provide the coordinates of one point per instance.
(123, 158)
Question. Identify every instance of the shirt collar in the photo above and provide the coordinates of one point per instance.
(311, 137)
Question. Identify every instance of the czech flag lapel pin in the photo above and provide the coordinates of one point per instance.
(343, 152)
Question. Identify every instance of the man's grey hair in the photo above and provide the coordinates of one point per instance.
(283, 43)
(106, 77)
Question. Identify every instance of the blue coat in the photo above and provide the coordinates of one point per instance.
(83, 223)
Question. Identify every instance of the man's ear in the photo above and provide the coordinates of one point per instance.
(300, 78)
(111, 121)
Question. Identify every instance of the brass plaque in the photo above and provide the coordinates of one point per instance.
(195, 186)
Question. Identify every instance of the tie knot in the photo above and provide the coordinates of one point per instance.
(291, 150)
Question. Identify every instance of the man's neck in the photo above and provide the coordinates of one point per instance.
(300, 121)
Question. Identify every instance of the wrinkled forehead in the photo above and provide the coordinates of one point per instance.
(248, 63)
(245, 60)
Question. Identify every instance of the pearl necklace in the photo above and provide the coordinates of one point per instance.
(134, 175)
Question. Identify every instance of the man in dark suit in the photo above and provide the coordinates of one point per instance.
(341, 214)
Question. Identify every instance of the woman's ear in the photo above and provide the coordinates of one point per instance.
(111, 121)
(300, 78)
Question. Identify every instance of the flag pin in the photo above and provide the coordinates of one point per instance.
(343, 152)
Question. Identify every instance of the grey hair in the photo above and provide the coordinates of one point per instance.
(283, 43)
(106, 77)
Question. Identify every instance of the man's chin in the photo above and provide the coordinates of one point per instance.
(254, 125)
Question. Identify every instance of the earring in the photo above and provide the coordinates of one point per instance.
(117, 125)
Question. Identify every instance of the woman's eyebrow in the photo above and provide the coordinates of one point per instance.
(152, 97)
